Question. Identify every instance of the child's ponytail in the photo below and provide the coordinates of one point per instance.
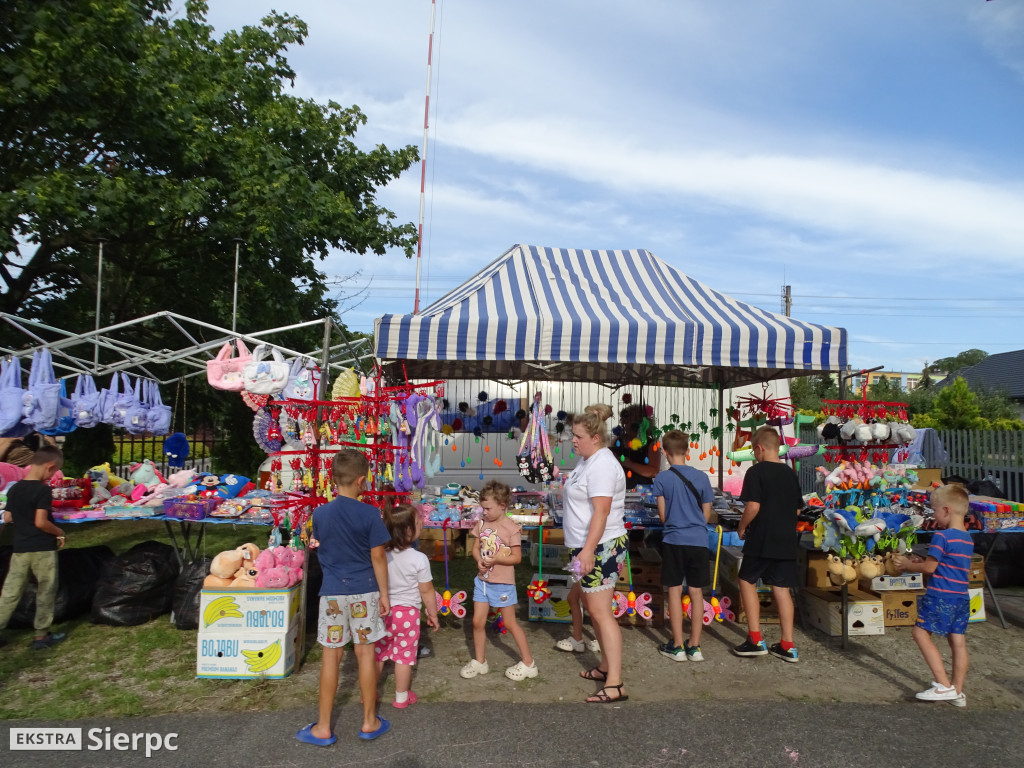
(401, 524)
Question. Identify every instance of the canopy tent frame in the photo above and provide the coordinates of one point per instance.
(69, 358)
(610, 317)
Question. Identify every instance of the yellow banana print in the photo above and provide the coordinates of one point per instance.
(222, 607)
(262, 660)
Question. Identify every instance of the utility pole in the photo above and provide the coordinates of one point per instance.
(787, 299)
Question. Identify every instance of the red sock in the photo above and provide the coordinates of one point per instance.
(755, 637)
(786, 645)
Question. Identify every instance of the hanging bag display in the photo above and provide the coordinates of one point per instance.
(85, 402)
(224, 371)
(42, 398)
(11, 394)
(65, 414)
(265, 377)
(158, 418)
(108, 396)
(124, 403)
(137, 418)
(301, 385)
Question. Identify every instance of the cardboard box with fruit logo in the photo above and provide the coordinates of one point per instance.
(238, 655)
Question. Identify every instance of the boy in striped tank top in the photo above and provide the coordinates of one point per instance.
(945, 607)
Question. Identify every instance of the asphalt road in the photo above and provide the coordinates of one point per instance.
(630, 735)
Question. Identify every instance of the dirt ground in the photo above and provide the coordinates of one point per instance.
(872, 669)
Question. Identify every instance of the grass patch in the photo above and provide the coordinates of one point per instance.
(104, 671)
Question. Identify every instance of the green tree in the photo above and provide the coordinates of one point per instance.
(958, 362)
(129, 122)
(956, 407)
(886, 390)
(925, 382)
(123, 123)
(807, 392)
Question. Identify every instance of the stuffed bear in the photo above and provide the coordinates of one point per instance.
(276, 577)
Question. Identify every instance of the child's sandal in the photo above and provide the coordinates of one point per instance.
(602, 697)
(596, 674)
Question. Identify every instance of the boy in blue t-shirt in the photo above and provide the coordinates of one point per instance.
(684, 506)
(350, 538)
(945, 607)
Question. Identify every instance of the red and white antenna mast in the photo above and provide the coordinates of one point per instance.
(423, 159)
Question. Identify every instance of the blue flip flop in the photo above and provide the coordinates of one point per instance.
(385, 726)
(306, 735)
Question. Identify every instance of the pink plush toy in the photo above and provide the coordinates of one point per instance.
(277, 577)
(292, 558)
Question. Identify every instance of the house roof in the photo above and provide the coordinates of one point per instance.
(1003, 372)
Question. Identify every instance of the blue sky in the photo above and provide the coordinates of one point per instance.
(869, 154)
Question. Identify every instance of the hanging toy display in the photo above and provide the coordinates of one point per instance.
(536, 462)
(539, 589)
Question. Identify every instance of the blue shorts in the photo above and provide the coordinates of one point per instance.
(943, 615)
(495, 595)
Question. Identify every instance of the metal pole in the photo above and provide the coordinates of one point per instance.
(234, 302)
(423, 160)
(99, 294)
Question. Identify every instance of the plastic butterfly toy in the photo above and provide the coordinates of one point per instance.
(451, 605)
(632, 605)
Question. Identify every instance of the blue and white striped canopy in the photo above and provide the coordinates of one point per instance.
(604, 316)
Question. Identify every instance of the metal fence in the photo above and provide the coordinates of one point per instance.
(130, 449)
(975, 454)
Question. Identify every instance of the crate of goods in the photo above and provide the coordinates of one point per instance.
(247, 610)
(241, 655)
(977, 596)
(769, 609)
(899, 607)
(556, 607)
(864, 615)
(189, 509)
(642, 574)
(903, 582)
(976, 576)
(550, 555)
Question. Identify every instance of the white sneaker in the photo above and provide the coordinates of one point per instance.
(520, 671)
(571, 645)
(593, 645)
(938, 693)
(959, 701)
(474, 668)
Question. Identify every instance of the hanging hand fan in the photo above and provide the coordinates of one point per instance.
(255, 401)
(267, 431)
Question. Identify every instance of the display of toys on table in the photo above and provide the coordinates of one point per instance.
(998, 514)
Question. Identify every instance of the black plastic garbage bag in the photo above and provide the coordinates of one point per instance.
(78, 571)
(137, 586)
(185, 604)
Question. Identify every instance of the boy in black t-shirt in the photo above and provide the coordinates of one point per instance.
(36, 541)
(771, 491)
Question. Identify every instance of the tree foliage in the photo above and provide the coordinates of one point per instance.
(129, 122)
(122, 123)
(957, 362)
(956, 407)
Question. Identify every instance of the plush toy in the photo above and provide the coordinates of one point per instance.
(216, 582)
(145, 473)
(181, 479)
(225, 564)
(291, 558)
(277, 577)
(99, 476)
(245, 577)
(249, 553)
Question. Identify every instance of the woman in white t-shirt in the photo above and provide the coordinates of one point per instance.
(593, 505)
(409, 586)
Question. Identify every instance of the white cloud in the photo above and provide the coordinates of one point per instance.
(1000, 26)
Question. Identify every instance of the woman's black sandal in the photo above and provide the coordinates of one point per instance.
(602, 697)
(592, 674)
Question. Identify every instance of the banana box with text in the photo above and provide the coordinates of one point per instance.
(238, 655)
(249, 610)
